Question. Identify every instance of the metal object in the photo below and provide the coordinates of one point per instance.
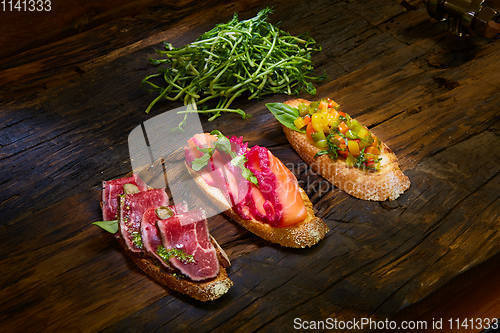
(464, 17)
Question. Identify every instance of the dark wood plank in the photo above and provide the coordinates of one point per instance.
(432, 98)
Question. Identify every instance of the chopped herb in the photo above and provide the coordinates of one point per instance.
(177, 253)
(332, 148)
(137, 239)
(109, 226)
(321, 152)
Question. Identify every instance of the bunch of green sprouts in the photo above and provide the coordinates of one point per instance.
(249, 57)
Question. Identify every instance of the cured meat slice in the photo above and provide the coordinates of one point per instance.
(151, 238)
(112, 189)
(132, 208)
(187, 233)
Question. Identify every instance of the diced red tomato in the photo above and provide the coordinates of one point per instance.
(343, 153)
(342, 113)
(343, 128)
(370, 163)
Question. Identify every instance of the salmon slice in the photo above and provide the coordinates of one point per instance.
(294, 210)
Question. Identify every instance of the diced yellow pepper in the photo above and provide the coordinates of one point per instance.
(299, 123)
(353, 147)
(319, 121)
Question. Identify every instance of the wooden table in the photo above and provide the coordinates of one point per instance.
(68, 102)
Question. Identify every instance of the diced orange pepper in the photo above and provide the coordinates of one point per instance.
(342, 113)
(309, 131)
(323, 106)
(307, 119)
(343, 128)
(332, 104)
(372, 150)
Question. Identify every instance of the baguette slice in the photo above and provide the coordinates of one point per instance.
(387, 183)
(200, 290)
(304, 234)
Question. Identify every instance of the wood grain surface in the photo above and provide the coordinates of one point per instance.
(68, 104)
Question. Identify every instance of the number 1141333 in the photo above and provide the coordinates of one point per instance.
(25, 5)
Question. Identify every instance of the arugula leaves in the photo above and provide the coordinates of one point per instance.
(224, 145)
(285, 114)
(109, 226)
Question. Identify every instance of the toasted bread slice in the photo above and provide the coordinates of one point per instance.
(204, 291)
(387, 183)
(304, 234)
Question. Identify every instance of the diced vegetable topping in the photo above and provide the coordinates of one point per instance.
(338, 135)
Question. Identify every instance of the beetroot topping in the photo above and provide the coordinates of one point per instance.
(186, 245)
(132, 208)
(112, 189)
(263, 201)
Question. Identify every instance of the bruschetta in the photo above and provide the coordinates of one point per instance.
(253, 188)
(341, 149)
(171, 244)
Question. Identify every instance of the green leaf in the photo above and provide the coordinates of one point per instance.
(109, 226)
(239, 161)
(201, 162)
(285, 114)
(223, 144)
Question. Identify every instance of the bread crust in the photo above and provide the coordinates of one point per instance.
(387, 183)
(304, 234)
(204, 291)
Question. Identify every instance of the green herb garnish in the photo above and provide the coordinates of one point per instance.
(109, 226)
(321, 152)
(249, 57)
(224, 145)
(332, 148)
(177, 253)
(285, 114)
(137, 239)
